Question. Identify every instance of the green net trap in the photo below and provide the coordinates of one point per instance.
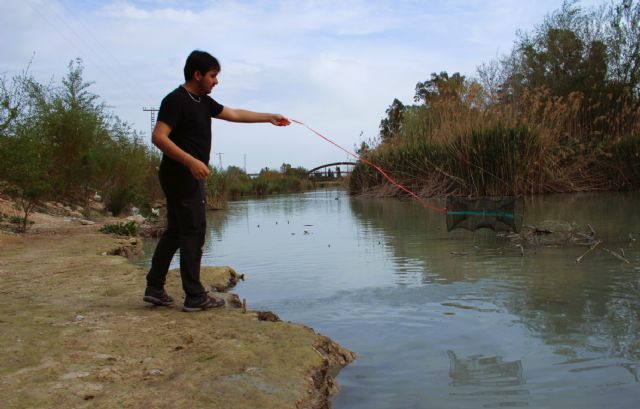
(503, 214)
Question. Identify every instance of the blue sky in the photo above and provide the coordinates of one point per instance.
(335, 65)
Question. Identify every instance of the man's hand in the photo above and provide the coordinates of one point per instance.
(198, 169)
(279, 120)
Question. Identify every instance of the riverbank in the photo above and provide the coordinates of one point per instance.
(77, 334)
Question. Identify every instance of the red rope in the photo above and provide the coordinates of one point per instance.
(379, 169)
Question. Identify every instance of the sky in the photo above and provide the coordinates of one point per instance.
(334, 65)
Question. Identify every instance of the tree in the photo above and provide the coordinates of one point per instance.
(491, 78)
(23, 156)
(363, 149)
(285, 168)
(440, 86)
(74, 124)
(23, 165)
(593, 52)
(12, 99)
(562, 62)
(390, 126)
(622, 36)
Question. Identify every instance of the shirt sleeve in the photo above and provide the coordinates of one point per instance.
(216, 108)
(169, 112)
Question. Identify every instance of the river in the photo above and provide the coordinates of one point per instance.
(447, 319)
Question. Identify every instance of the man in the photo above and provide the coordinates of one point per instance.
(183, 134)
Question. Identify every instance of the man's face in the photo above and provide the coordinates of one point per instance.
(207, 81)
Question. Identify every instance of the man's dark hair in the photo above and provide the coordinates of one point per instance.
(200, 61)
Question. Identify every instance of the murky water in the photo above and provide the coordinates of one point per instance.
(447, 320)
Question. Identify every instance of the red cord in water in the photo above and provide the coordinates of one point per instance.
(380, 170)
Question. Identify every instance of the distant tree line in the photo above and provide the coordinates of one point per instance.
(560, 112)
(234, 183)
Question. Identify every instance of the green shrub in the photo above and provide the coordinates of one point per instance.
(15, 220)
(121, 229)
(60, 142)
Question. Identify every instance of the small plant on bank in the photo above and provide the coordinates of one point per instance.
(15, 220)
(121, 229)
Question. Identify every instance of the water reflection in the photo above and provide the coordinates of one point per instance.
(486, 371)
(584, 309)
(488, 378)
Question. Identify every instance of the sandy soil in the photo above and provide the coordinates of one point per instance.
(75, 333)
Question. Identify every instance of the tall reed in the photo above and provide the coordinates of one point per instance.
(541, 143)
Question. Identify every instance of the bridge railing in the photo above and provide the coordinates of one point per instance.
(326, 171)
(331, 170)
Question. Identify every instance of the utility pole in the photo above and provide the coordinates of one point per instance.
(245, 163)
(220, 158)
(153, 117)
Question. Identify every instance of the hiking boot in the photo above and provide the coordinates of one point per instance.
(202, 303)
(157, 297)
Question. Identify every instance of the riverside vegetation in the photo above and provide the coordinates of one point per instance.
(59, 142)
(234, 183)
(560, 113)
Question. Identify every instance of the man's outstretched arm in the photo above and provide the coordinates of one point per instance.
(241, 115)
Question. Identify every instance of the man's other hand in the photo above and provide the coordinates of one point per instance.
(198, 169)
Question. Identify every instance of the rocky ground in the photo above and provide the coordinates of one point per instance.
(75, 333)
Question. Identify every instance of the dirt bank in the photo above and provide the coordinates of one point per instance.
(75, 333)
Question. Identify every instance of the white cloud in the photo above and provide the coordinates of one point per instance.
(125, 10)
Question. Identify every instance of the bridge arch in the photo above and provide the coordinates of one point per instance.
(329, 165)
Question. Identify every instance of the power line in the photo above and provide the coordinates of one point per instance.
(78, 44)
(83, 46)
(102, 47)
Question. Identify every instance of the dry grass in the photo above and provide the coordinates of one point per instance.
(539, 144)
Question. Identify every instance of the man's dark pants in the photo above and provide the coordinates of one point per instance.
(186, 225)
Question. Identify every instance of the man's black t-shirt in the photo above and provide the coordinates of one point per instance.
(190, 123)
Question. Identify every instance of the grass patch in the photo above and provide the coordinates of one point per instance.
(122, 229)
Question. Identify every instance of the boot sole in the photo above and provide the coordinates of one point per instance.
(208, 306)
(156, 301)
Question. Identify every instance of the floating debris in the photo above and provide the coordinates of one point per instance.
(579, 259)
(553, 233)
(558, 234)
(616, 255)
